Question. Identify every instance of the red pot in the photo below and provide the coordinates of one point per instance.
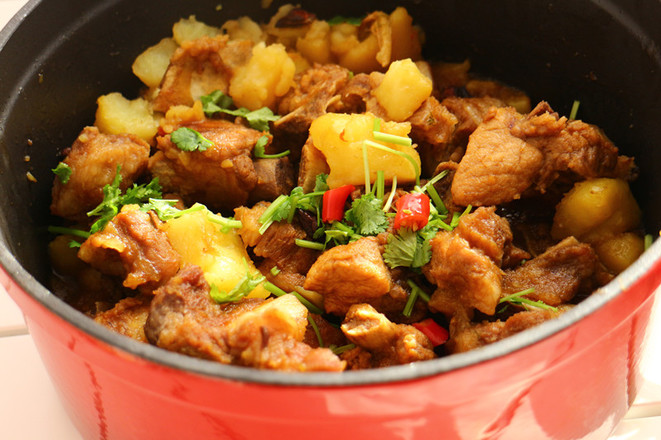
(573, 377)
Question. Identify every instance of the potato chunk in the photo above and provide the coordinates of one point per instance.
(596, 209)
(221, 255)
(189, 28)
(340, 138)
(118, 115)
(150, 65)
(403, 89)
(268, 74)
(315, 45)
(618, 252)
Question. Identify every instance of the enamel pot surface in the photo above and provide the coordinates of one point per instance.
(570, 378)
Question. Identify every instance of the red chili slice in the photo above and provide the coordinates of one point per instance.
(437, 335)
(412, 211)
(333, 203)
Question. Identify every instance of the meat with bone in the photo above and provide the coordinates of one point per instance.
(93, 159)
(384, 342)
(510, 154)
(131, 246)
(259, 333)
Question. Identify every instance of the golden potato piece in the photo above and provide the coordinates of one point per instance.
(595, 209)
(189, 28)
(619, 251)
(315, 45)
(118, 115)
(150, 65)
(341, 139)
(403, 89)
(221, 255)
(268, 74)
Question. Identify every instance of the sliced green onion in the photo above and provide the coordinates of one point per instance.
(648, 241)
(270, 287)
(388, 204)
(316, 331)
(574, 110)
(309, 244)
(406, 156)
(393, 139)
(266, 219)
(380, 185)
(68, 231)
(366, 169)
(338, 350)
(275, 271)
(377, 125)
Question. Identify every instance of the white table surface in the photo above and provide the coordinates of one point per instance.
(30, 409)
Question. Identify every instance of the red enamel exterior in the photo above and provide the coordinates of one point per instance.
(578, 383)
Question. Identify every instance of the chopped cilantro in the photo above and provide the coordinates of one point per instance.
(218, 102)
(113, 199)
(407, 249)
(187, 139)
(63, 172)
(519, 299)
(243, 287)
(367, 216)
(259, 149)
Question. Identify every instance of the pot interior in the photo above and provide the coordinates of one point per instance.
(55, 61)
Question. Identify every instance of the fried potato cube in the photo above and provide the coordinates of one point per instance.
(315, 45)
(150, 65)
(341, 139)
(403, 89)
(596, 209)
(189, 28)
(268, 75)
(405, 37)
(221, 255)
(118, 115)
(619, 251)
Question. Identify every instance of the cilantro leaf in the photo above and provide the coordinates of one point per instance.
(218, 102)
(367, 216)
(339, 19)
(187, 139)
(320, 183)
(243, 287)
(63, 172)
(113, 200)
(407, 249)
(259, 149)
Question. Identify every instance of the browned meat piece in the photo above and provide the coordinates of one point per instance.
(509, 154)
(470, 112)
(253, 332)
(274, 177)
(128, 317)
(278, 241)
(432, 123)
(93, 159)
(349, 274)
(556, 275)
(131, 246)
(199, 67)
(485, 230)
(271, 336)
(221, 177)
(356, 96)
(387, 343)
(315, 88)
(465, 336)
(465, 263)
(510, 96)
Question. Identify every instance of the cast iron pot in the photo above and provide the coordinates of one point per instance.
(573, 377)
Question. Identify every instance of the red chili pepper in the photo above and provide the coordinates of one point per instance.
(437, 335)
(333, 203)
(412, 211)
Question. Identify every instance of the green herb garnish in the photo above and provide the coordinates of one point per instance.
(63, 172)
(187, 139)
(259, 149)
(519, 299)
(367, 215)
(218, 102)
(246, 284)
